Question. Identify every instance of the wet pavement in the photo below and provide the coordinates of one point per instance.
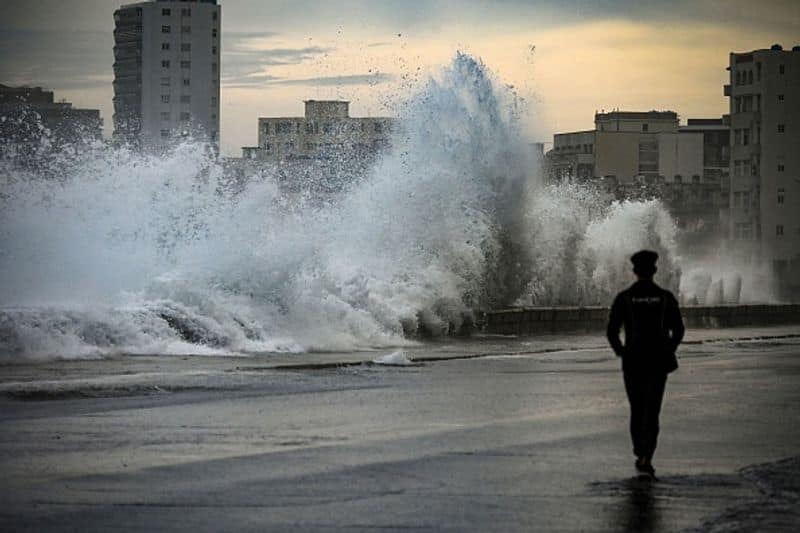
(493, 434)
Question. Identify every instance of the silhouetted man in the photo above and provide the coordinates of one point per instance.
(653, 331)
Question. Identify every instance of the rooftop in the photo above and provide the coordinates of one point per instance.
(636, 115)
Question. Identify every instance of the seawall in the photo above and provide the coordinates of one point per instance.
(535, 320)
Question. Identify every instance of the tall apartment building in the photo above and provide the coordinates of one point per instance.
(166, 72)
(764, 96)
(325, 131)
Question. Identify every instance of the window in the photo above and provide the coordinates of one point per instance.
(758, 71)
(289, 146)
(264, 128)
(185, 115)
(185, 99)
(165, 115)
(186, 12)
(781, 193)
(779, 230)
(164, 98)
(745, 137)
(645, 127)
(678, 178)
(378, 127)
(780, 98)
(186, 47)
(214, 15)
(186, 29)
(186, 64)
(781, 128)
(268, 146)
(749, 77)
(165, 82)
(165, 133)
(186, 82)
(213, 67)
(165, 63)
(214, 33)
(166, 29)
(166, 12)
(213, 50)
(738, 78)
(283, 127)
(213, 100)
(781, 168)
(782, 70)
(165, 46)
(695, 178)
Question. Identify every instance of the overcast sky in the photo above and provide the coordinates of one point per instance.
(568, 57)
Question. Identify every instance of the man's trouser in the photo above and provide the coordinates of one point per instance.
(645, 392)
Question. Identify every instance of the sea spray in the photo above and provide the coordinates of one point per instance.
(127, 253)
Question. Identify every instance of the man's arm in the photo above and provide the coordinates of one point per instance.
(615, 320)
(675, 323)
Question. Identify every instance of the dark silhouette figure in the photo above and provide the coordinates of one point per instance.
(653, 330)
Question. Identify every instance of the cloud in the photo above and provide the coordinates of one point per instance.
(248, 81)
(335, 81)
(56, 59)
(263, 80)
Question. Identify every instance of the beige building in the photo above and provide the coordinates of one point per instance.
(764, 95)
(628, 147)
(325, 131)
(648, 154)
(166, 72)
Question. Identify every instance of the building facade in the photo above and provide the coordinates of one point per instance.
(166, 72)
(764, 98)
(648, 154)
(33, 124)
(325, 131)
(628, 147)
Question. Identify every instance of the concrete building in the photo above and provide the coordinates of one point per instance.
(33, 124)
(629, 147)
(325, 131)
(166, 72)
(764, 96)
(648, 154)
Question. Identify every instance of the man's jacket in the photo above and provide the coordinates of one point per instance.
(653, 328)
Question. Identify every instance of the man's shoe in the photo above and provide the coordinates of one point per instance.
(645, 470)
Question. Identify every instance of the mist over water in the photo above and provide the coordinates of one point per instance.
(124, 253)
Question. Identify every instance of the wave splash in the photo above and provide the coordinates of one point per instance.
(124, 253)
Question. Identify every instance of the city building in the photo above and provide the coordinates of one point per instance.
(166, 72)
(33, 124)
(326, 131)
(764, 98)
(628, 147)
(649, 155)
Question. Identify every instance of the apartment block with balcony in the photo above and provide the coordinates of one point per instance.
(166, 72)
(764, 99)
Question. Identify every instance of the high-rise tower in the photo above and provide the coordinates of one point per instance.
(166, 72)
(764, 96)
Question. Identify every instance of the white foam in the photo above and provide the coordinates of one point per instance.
(398, 358)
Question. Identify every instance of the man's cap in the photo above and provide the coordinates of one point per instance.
(644, 258)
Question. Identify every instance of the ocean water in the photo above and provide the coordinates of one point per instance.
(116, 252)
